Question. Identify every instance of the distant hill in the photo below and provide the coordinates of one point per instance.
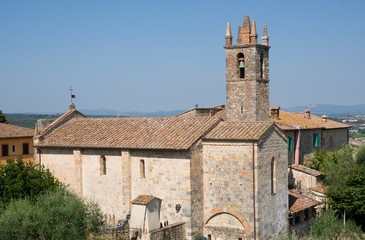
(331, 110)
(29, 119)
(108, 112)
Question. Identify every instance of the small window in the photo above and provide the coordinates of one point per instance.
(102, 165)
(273, 176)
(5, 150)
(13, 148)
(142, 169)
(290, 144)
(25, 148)
(315, 140)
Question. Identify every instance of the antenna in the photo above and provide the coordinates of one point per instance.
(71, 92)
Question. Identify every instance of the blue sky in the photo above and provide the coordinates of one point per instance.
(169, 55)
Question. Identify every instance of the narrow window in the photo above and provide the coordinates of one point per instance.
(13, 148)
(25, 148)
(273, 176)
(102, 165)
(315, 140)
(262, 66)
(290, 144)
(142, 170)
(5, 150)
(241, 64)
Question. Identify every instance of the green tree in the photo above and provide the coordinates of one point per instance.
(3, 118)
(19, 180)
(328, 226)
(56, 214)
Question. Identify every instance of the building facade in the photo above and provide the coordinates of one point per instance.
(16, 141)
(223, 176)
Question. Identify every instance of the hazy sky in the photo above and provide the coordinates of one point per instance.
(169, 55)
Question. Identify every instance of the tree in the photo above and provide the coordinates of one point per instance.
(56, 214)
(328, 226)
(20, 180)
(3, 118)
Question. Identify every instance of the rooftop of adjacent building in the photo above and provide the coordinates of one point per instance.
(12, 131)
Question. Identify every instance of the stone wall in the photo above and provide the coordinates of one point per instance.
(306, 144)
(170, 232)
(197, 198)
(248, 97)
(272, 186)
(168, 177)
(228, 187)
(334, 138)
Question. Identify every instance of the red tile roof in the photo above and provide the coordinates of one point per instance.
(239, 130)
(134, 133)
(12, 131)
(288, 121)
(298, 202)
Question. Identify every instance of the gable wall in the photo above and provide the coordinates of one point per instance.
(228, 188)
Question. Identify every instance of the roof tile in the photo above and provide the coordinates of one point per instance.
(12, 131)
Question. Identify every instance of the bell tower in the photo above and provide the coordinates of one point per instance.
(247, 74)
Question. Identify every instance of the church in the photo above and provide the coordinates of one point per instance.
(222, 175)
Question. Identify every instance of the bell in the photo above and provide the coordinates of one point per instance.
(242, 64)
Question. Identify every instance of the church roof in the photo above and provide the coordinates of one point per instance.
(239, 130)
(12, 131)
(177, 133)
(288, 121)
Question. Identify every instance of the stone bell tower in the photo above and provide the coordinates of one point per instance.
(247, 74)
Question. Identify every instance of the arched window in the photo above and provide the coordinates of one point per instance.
(273, 176)
(102, 165)
(142, 169)
(241, 64)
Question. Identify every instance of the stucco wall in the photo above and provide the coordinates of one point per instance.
(18, 145)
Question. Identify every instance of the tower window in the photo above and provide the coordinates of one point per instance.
(241, 64)
(142, 169)
(273, 176)
(261, 66)
(102, 165)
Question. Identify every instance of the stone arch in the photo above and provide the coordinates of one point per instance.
(232, 212)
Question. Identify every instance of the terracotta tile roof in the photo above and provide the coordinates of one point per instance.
(12, 131)
(289, 121)
(239, 130)
(61, 119)
(143, 199)
(298, 202)
(307, 170)
(134, 133)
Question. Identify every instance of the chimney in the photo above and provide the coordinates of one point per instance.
(324, 118)
(307, 113)
(275, 112)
